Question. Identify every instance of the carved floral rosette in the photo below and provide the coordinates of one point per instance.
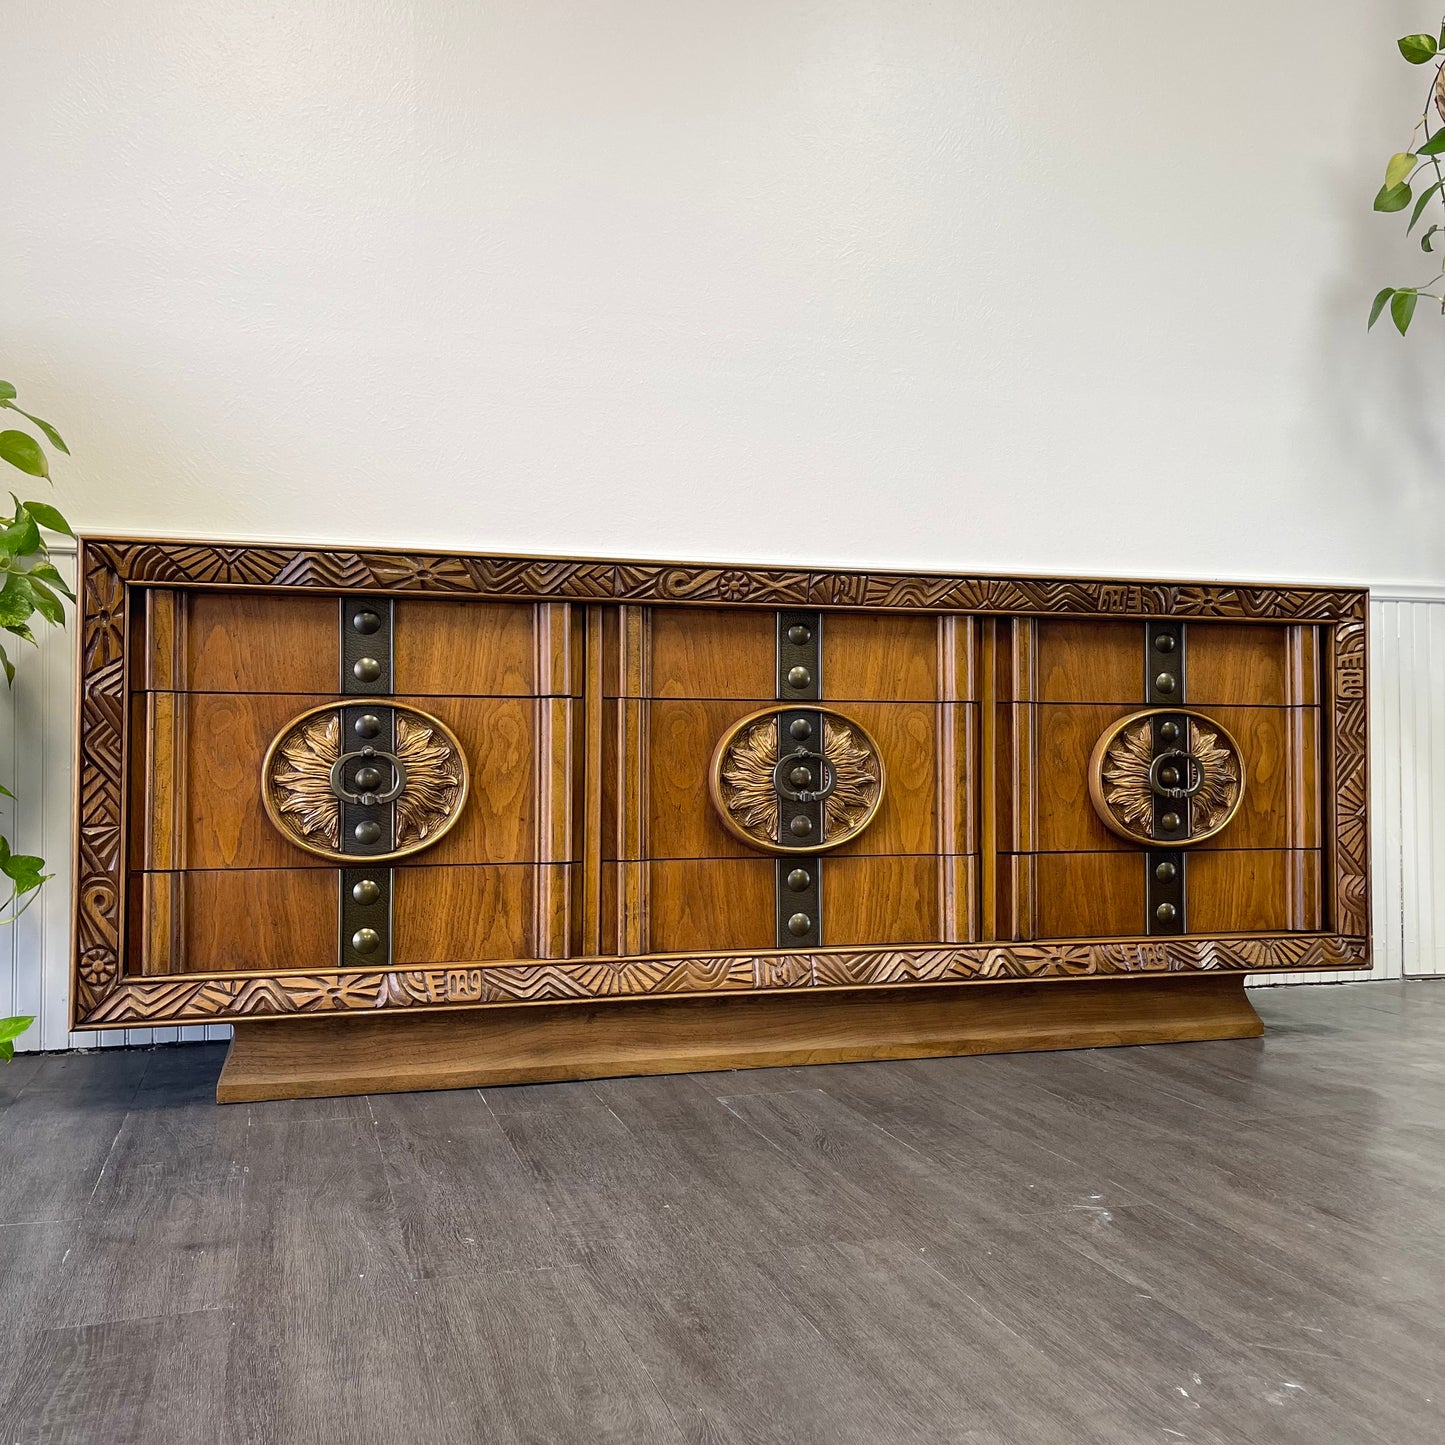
(296, 785)
(743, 793)
(1124, 768)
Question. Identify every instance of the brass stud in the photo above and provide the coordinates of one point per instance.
(366, 940)
(799, 879)
(367, 832)
(1166, 682)
(1170, 822)
(1168, 776)
(366, 622)
(798, 634)
(367, 725)
(799, 677)
(799, 924)
(366, 892)
(1169, 731)
(1166, 872)
(367, 669)
(801, 728)
(1166, 913)
(800, 777)
(800, 827)
(369, 778)
(1164, 642)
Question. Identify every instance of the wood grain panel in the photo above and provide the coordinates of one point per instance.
(886, 657)
(1280, 748)
(881, 901)
(705, 652)
(1256, 891)
(1245, 665)
(244, 920)
(1082, 660)
(466, 914)
(222, 823)
(249, 642)
(1081, 895)
(716, 904)
(454, 649)
(285, 918)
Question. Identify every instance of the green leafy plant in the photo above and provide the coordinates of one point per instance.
(30, 587)
(1404, 172)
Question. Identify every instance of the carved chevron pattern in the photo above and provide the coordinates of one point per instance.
(102, 997)
(558, 579)
(186, 1000)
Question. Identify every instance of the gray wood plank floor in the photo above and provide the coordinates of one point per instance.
(1216, 1243)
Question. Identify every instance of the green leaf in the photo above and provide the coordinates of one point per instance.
(6, 391)
(23, 451)
(1417, 49)
(1402, 308)
(22, 537)
(1435, 145)
(12, 1028)
(47, 573)
(4, 848)
(6, 791)
(17, 600)
(47, 604)
(44, 426)
(24, 871)
(1378, 305)
(1399, 167)
(1425, 239)
(1421, 201)
(48, 516)
(22, 631)
(9, 675)
(7, 1052)
(1389, 198)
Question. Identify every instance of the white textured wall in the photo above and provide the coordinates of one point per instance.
(976, 286)
(990, 285)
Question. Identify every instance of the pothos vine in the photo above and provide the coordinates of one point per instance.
(1404, 171)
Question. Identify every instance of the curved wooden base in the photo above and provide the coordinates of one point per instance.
(320, 1057)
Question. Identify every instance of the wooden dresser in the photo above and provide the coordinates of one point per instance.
(418, 820)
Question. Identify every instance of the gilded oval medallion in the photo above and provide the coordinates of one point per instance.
(1156, 789)
(413, 787)
(763, 780)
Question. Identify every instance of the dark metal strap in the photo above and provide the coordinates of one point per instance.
(365, 917)
(798, 886)
(1164, 685)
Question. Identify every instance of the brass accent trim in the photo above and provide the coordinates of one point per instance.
(749, 807)
(304, 810)
(1124, 800)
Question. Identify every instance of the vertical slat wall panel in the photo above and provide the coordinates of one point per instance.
(1407, 732)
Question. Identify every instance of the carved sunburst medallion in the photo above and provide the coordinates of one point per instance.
(300, 798)
(744, 766)
(1201, 779)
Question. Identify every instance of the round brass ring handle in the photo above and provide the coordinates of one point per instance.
(797, 789)
(1193, 770)
(369, 797)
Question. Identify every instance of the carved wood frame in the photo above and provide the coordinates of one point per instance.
(109, 568)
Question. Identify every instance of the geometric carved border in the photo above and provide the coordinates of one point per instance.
(209, 998)
(110, 568)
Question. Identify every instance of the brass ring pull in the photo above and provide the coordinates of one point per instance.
(368, 797)
(1193, 771)
(795, 773)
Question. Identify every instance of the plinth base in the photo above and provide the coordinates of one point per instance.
(340, 1054)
